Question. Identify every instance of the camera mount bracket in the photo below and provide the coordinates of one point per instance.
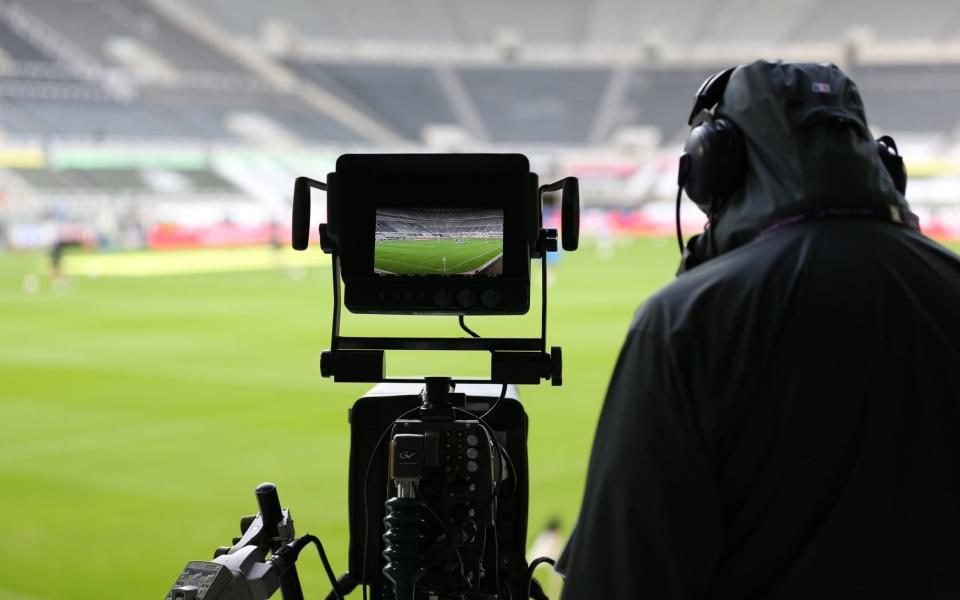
(513, 360)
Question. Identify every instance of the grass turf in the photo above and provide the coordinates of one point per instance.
(429, 257)
(138, 413)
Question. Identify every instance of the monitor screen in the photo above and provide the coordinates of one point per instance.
(462, 241)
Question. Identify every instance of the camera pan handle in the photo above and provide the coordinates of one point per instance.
(301, 210)
(569, 210)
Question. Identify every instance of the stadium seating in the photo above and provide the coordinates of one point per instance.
(436, 223)
(565, 81)
(121, 180)
(555, 106)
(911, 98)
(405, 97)
(575, 22)
(90, 25)
(661, 98)
(51, 91)
(18, 48)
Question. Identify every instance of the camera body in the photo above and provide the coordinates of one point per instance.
(477, 530)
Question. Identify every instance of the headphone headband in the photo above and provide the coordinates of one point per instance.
(710, 93)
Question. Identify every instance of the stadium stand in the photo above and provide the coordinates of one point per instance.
(97, 120)
(90, 25)
(536, 105)
(87, 89)
(437, 223)
(18, 48)
(602, 85)
(577, 22)
(406, 97)
(911, 98)
(650, 98)
(122, 181)
(206, 112)
(889, 20)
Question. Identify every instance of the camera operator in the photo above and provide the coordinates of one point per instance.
(784, 418)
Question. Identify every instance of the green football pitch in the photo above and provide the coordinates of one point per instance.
(440, 257)
(142, 400)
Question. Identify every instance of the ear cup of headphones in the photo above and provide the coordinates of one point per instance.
(891, 159)
(717, 162)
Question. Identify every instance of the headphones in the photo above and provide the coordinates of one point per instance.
(713, 163)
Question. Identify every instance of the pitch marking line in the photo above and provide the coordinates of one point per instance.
(11, 595)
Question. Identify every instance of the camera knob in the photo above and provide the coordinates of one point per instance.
(185, 592)
(467, 532)
(556, 365)
(245, 522)
(326, 363)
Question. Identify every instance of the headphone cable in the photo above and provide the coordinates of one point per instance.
(679, 231)
(682, 170)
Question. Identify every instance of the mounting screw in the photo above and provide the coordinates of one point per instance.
(245, 522)
(326, 363)
(556, 365)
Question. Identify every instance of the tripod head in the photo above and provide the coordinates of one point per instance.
(243, 571)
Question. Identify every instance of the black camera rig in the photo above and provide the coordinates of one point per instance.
(443, 466)
(367, 186)
(438, 488)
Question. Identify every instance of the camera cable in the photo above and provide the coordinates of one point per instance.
(533, 567)
(287, 554)
(366, 506)
(463, 326)
(503, 390)
(450, 537)
(682, 173)
(501, 451)
(496, 442)
(493, 407)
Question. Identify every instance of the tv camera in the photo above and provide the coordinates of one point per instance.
(438, 486)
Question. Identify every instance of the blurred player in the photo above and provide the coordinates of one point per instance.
(57, 251)
(549, 543)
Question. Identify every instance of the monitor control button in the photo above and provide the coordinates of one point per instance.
(490, 298)
(467, 298)
(443, 297)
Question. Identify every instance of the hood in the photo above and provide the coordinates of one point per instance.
(808, 147)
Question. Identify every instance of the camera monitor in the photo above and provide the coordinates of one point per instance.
(434, 233)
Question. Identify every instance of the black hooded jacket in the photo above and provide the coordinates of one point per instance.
(784, 420)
